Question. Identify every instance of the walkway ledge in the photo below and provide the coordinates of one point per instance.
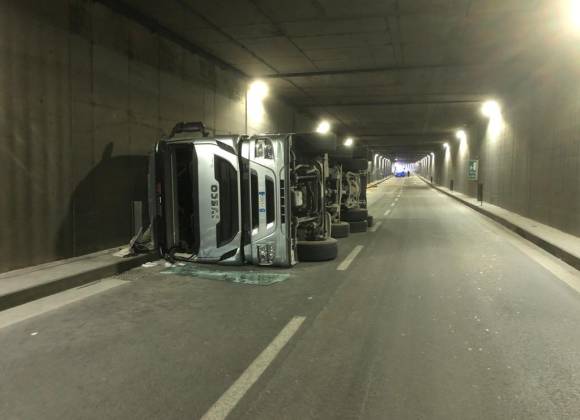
(31, 283)
(558, 243)
(380, 181)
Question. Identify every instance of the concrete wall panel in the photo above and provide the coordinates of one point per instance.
(84, 95)
(533, 166)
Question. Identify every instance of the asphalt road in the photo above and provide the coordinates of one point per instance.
(441, 314)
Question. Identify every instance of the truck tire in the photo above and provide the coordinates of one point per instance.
(354, 215)
(324, 250)
(370, 221)
(314, 143)
(355, 165)
(340, 230)
(359, 227)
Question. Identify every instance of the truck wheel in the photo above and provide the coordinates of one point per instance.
(324, 250)
(354, 215)
(355, 165)
(358, 227)
(370, 220)
(340, 230)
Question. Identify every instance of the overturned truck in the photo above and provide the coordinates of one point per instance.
(239, 199)
(346, 192)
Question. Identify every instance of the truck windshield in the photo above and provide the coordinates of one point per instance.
(186, 196)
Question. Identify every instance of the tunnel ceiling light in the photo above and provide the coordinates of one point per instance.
(461, 135)
(574, 12)
(491, 109)
(348, 142)
(257, 92)
(259, 89)
(446, 145)
(323, 127)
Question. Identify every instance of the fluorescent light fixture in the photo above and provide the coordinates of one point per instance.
(446, 145)
(323, 127)
(491, 109)
(574, 11)
(258, 89)
(461, 135)
(257, 92)
(348, 142)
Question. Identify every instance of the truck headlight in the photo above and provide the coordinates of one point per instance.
(266, 254)
(264, 149)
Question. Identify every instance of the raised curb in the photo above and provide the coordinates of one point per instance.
(380, 181)
(68, 281)
(550, 247)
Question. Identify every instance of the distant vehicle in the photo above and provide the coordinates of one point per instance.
(400, 174)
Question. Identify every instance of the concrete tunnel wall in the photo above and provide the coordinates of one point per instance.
(532, 166)
(84, 95)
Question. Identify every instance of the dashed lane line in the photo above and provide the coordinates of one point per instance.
(376, 226)
(226, 403)
(343, 266)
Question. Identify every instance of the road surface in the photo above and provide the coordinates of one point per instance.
(437, 313)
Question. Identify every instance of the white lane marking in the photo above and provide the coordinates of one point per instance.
(396, 199)
(222, 407)
(557, 267)
(387, 212)
(349, 258)
(38, 307)
(393, 205)
(376, 226)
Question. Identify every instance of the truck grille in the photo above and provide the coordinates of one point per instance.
(282, 202)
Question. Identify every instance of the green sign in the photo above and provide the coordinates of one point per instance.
(473, 170)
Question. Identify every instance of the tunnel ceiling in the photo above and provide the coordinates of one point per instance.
(400, 76)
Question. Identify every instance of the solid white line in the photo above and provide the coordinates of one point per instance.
(376, 226)
(387, 212)
(564, 272)
(349, 258)
(557, 267)
(238, 389)
(37, 307)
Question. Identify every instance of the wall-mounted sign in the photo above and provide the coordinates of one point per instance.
(473, 170)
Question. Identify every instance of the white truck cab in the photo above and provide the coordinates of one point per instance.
(240, 199)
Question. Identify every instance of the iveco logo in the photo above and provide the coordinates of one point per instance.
(214, 203)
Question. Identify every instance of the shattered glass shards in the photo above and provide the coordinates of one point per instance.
(259, 278)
